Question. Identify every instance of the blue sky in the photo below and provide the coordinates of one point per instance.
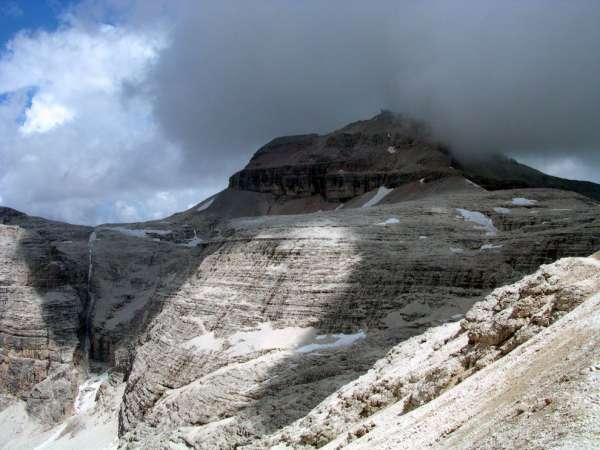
(17, 15)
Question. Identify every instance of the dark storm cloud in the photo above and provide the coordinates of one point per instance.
(141, 108)
(516, 76)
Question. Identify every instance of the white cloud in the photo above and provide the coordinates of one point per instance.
(44, 114)
(74, 144)
(571, 167)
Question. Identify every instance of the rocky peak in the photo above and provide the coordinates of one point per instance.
(388, 150)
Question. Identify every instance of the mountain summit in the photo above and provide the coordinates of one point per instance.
(311, 172)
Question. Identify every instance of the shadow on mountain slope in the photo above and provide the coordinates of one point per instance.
(354, 273)
(397, 291)
(46, 310)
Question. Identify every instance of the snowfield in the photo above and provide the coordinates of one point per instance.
(520, 201)
(379, 195)
(484, 222)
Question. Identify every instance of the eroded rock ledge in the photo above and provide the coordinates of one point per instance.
(420, 370)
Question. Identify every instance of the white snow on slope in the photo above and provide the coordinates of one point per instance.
(86, 397)
(194, 242)
(520, 201)
(206, 342)
(489, 247)
(266, 337)
(473, 183)
(379, 195)
(52, 437)
(502, 210)
(484, 222)
(138, 233)
(206, 204)
(57, 438)
(332, 341)
(390, 221)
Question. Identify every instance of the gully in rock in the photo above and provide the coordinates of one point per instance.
(90, 302)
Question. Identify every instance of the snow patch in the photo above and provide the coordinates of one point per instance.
(327, 341)
(520, 201)
(390, 221)
(489, 247)
(204, 343)
(86, 397)
(422, 181)
(423, 237)
(53, 437)
(473, 184)
(484, 222)
(266, 337)
(391, 150)
(379, 195)
(457, 250)
(205, 205)
(194, 242)
(502, 210)
(139, 233)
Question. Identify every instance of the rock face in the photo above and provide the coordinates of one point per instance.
(518, 372)
(223, 363)
(130, 276)
(388, 150)
(42, 300)
(237, 323)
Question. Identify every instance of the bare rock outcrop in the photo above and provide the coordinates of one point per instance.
(280, 312)
(388, 150)
(422, 368)
(42, 301)
(534, 385)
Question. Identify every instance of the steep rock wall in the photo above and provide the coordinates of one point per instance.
(222, 363)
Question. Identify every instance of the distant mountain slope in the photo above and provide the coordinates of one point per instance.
(311, 172)
(498, 172)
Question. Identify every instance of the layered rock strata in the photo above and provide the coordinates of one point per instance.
(240, 350)
(43, 297)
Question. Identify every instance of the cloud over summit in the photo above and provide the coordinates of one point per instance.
(144, 107)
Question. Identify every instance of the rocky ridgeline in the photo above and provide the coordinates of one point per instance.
(232, 324)
(388, 150)
(421, 369)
